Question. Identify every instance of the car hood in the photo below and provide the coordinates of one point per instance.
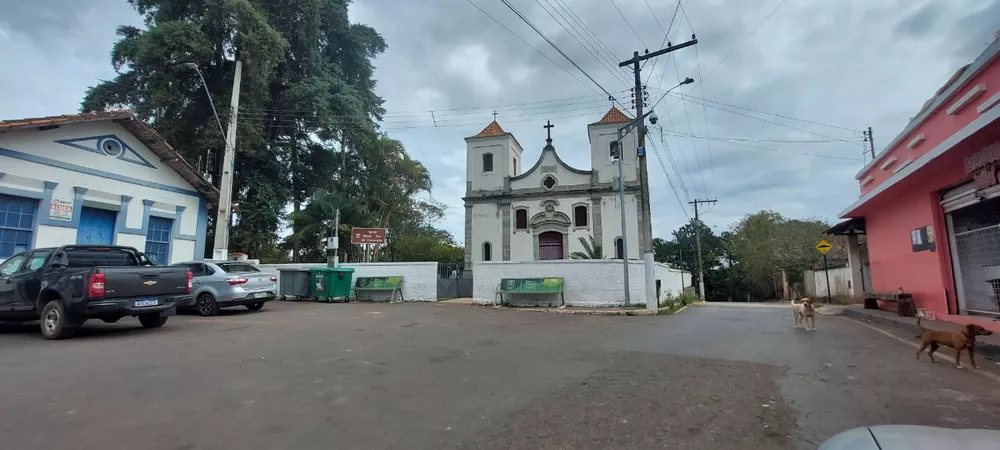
(912, 437)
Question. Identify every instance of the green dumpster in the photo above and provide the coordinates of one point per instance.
(330, 283)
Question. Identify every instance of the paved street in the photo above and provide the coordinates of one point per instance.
(321, 376)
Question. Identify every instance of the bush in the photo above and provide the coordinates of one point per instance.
(687, 298)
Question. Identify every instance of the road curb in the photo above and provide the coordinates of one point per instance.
(983, 349)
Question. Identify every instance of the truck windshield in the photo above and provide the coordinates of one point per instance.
(83, 257)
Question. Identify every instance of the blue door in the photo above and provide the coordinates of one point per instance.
(97, 226)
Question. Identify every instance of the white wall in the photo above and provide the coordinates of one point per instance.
(672, 280)
(612, 226)
(486, 227)
(419, 278)
(601, 137)
(549, 163)
(840, 282)
(586, 282)
(101, 192)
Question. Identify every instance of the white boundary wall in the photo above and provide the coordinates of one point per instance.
(419, 278)
(586, 282)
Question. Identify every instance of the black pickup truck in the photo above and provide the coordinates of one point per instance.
(62, 287)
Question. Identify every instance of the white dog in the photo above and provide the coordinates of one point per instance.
(805, 314)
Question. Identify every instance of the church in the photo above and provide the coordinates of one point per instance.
(543, 212)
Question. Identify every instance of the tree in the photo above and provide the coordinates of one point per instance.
(682, 252)
(308, 118)
(591, 249)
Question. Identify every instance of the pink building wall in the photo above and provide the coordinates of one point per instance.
(936, 128)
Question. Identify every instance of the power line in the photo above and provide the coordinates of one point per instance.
(525, 20)
(606, 51)
(569, 30)
(628, 23)
(779, 150)
(733, 50)
(686, 98)
(659, 159)
(529, 45)
(673, 165)
(781, 116)
(704, 115)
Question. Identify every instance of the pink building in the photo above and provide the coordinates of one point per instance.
(930, 202)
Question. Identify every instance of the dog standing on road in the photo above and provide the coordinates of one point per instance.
(958, 340)
(805, 314)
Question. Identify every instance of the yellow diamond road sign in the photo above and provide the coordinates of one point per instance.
(823, 246)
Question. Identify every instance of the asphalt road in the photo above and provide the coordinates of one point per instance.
(321, 376)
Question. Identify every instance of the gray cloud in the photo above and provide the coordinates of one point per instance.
(847, 63)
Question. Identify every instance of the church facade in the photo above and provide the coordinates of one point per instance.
(542, 213)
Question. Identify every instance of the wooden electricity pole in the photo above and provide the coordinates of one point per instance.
(697, 243)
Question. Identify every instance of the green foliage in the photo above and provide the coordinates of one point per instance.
(308, 121)
(749, 259)
(591, 250)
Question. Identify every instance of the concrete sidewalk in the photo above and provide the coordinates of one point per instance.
(987, 346)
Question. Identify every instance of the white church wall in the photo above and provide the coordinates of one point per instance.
(612, 228)
(601, 137)
(587, 283)
(672, 280)
(482, 180)
(550, 164)
(486, 227)
(522, 242)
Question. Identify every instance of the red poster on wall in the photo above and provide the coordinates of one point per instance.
(367, 235)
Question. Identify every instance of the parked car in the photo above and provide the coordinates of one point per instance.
(911, 437)
(222, 284)
(63, 287)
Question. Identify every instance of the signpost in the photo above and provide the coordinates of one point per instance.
(824, 247)
(367, 235)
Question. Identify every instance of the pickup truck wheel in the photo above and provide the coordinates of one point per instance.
(206, 305)
(153, 320)
(55, 323)
(255, 306)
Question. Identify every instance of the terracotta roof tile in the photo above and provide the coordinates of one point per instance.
(491, 130)
(7, 125)
(614, 115)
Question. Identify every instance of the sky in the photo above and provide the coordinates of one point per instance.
(783, 87)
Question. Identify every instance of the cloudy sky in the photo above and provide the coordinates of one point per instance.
(773, 71)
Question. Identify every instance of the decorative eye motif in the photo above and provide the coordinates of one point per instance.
(111, 146)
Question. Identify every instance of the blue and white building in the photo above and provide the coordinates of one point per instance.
(99, 178)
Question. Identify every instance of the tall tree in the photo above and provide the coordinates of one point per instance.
(308, 110)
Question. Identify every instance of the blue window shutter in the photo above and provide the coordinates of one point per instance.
(17, 217)
(158, 239)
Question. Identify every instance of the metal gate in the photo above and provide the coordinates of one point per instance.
(977, 269)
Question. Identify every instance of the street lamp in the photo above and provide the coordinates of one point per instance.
(207, 93)
(652, 303)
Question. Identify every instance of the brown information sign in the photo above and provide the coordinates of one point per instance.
(367, 235)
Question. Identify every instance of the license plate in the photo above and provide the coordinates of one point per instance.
(258, 295)
(147, 302)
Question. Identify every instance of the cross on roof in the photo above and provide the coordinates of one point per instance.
(494, 115)
(548, 128)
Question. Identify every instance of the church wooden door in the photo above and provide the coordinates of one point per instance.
(550, 245)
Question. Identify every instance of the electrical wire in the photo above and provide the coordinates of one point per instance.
(533, 27)
(629, 24)
(606, 50)
(529, 45)
(659, 159)
(742, 144)
(590, 48)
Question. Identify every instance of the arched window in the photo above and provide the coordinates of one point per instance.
(521, 219)
(614, 150)
(619, 249)
(487, 162)
(487, 251)
(580, 216)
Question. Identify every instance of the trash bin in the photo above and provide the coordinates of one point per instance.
(329, 283)
(294, 283)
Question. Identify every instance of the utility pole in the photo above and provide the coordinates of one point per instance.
(871, 142)
(697, 243)
(333, 243)
(646, 232)
(221, 247)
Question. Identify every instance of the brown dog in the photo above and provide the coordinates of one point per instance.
(958, 340)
